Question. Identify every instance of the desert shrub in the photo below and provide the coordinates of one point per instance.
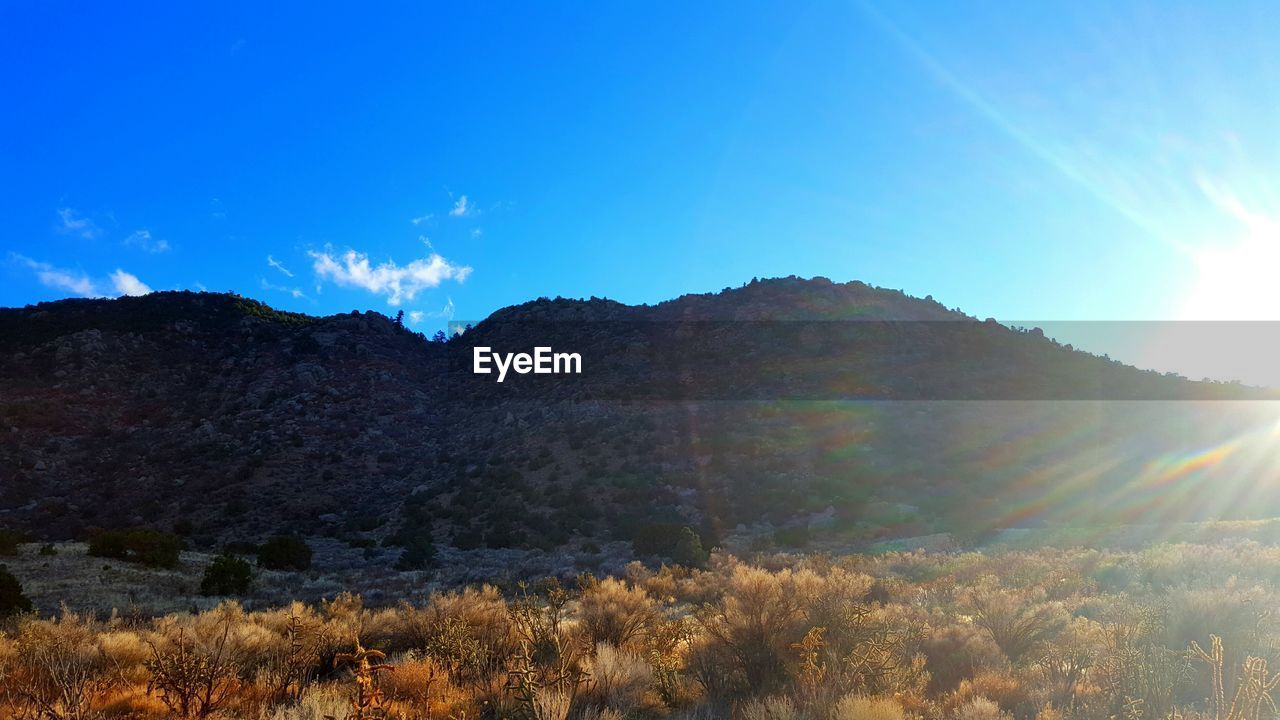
(226, 575)
(62, 666)
(48, 550)
(194, 662)
(979, 708)
(1016, 620)
(141, 545)
(320, 703)
(469, 633)
(9, 542)
(679, 543)
(954, 652)
(619, 679)
(614, 612)
(419, 553)
(285, 552)
(752, 629)
(860, 707)
(796, 536)
(12, 601)
(770, 708)
(417, 679)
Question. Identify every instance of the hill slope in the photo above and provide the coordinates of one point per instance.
(798, 407)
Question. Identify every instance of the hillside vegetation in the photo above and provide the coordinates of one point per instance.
(1172, 631)
(786, 413)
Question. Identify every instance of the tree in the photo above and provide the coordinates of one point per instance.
(12, 601)
(399, 321)
(226, 575)
(688, 549)
(285, 552)
(439, 337)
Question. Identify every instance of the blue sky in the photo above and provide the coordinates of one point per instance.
(1051, 160)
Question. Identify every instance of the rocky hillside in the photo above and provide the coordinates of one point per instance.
(786, 411)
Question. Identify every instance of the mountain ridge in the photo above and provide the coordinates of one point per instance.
(781, 404)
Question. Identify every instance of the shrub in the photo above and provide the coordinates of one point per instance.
(419, 554)
(12, 601)
(48, 550)
(226, 575)
(688, 549)
(980, 708)
(141, 545)
(1016, 620)
(771, 708)
(9, 541)
(285, 552)
(619, 678)
(857, 707)
(615, 613)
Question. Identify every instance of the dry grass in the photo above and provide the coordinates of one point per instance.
(897, 637)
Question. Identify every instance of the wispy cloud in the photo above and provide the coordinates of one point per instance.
(292, 291)
(71, 281)
(279, 266)
(144, 240)
(477, 232)
(416, 316)
(128, 283)
(74, 224)
(397, 283)
(421, 219)
(461, 208)
(79, 283)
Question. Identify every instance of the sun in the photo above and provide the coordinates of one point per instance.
(1239, 281)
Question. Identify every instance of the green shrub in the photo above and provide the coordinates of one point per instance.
(419, 554)
(792, 537)
(688, 549)
(9, 541)
(48, 550)
(140, 545)
(285, 552)
(12, 601)
(226, 575)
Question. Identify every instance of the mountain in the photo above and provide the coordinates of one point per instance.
(785, 411)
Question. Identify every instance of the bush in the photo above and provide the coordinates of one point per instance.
(614, 613)
(12, 601)
(285, 552)
(226, 575)
(9, 541)
(688, 549)
(141, 545)
(419, 554)
(856, 707)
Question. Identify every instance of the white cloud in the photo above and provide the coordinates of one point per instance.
(415, 316)
(477, 232)
(143, 239)
(128, 284)
(421, 219)
(425, 241)
(279, 266)
(461, 208)
(293, 291)
(69, 280)
(73, 224)
(397, 283)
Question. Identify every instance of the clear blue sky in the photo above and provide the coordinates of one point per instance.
(1050, 160)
